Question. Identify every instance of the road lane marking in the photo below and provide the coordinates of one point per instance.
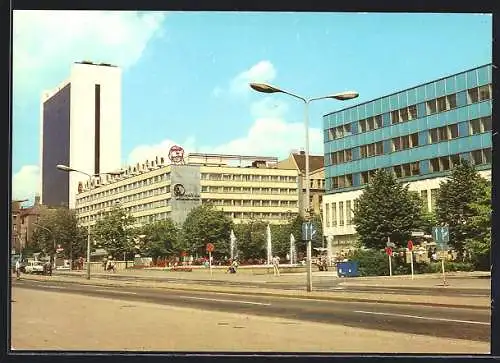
(117, 292)
(423, 317)
(223, 300)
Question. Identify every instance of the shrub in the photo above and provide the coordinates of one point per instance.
(371, 262)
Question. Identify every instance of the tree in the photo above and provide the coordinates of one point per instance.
(114, 232)
(454, 203)
(205, 224)
(480, 227)
(160, 238)
(59, 226)
(386, 209)
(252, 239)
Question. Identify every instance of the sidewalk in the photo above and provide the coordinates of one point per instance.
(339, 295)
(462, 280)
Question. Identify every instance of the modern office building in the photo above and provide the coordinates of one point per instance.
(80, 127)
(155, 191)
(297, 161)
(420, 134)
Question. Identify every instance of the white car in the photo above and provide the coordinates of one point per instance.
(34, 267)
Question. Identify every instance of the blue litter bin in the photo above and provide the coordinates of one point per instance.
(347, 269)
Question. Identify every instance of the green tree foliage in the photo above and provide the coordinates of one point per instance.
(386, 209)
(160, 239)
(115, 234)
(64, 231)
(455, 204)
(252, 239)
(479, 244)
(205, 224)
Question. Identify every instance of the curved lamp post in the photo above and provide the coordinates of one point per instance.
(90, 176)
(342, 96)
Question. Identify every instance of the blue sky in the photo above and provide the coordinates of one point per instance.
(185, 74)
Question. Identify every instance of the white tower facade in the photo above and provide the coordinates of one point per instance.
(81, 128)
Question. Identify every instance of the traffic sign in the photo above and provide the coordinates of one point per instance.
(417, 234)
(308, 231)
(390, 244)
(410, 245)
(388, 250)
(210, 247)
(441, 235)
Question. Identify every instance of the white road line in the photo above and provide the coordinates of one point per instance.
(423, 317)
(117, 292)
(222, 300)
(54, 287)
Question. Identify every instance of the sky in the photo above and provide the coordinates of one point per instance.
(185, 74)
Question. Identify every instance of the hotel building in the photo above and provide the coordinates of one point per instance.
(255, 188)
(81, 128)
(420, 134)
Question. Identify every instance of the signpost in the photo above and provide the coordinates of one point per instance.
(441, 235)
(308, 232)
(210, 248)
(410, 248)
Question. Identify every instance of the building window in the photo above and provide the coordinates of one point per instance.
(484, 92)
(487, 155)
(395, 117)
(334, 214)
(341, 213)
(413, 112)
(441, 104)
(431, 107)
(327, 214)
(473, 95)
(371, 149)
(480, 125)
(339, 132)
(414, 140)
(434, 165)
(452, 101)
(443, 133)
(348, 212)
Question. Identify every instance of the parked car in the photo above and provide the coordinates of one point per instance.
(34, 267)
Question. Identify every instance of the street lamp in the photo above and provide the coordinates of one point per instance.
(342, 96)
(53, 241)
(90, 176)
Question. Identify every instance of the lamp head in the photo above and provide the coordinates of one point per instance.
(63, 167)
(264, 88)
(344, 96)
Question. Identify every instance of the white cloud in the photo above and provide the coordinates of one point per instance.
(45, 43)
(26, 182)
(263, 71)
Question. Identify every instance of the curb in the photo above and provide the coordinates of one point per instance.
(290, 296)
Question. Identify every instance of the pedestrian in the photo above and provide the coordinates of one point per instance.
(18, 269)
(276, 263)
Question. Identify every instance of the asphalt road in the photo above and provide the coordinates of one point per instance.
(470, 324)
(319, 284)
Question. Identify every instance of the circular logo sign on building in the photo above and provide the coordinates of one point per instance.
(176, 154)
(179, 190)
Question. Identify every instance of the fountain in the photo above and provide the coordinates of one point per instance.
(232, 237)
(269, 245)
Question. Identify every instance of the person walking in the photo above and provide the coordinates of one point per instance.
(276, 267)
(18, 269)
